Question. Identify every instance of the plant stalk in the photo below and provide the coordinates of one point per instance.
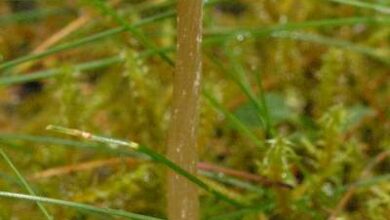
(182, 195)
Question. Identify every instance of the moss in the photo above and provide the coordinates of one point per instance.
(325, 88)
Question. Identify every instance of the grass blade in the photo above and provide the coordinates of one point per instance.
(69, 143)
(44, 74)
(79, 206)
(149, 152)
(25, 184)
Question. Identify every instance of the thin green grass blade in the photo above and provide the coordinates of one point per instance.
(86, 40)
(256, 32)
(152, 154)
(16, 79)
(69, 143)
(217, 37)
(81, 145)
(333, 43)
(60, 48)
(364, 4)
(137, 33)
(241, 127)
(79, 206)
(25, 183)
(45, 74)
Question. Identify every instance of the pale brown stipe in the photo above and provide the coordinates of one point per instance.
(182, 195)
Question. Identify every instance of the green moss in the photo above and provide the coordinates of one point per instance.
(316, 70)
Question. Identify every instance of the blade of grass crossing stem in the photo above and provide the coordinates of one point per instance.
(217, 37)
(241, 127)
(82, 145)
(25, 183)
(364, 4)
(71, 143)
(105, 8)
(11, 80)
(79, 206)
(149, 152)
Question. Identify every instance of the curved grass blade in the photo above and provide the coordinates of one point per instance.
(24, 182)
(79, 206)
(152, 154)
(364, 4)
